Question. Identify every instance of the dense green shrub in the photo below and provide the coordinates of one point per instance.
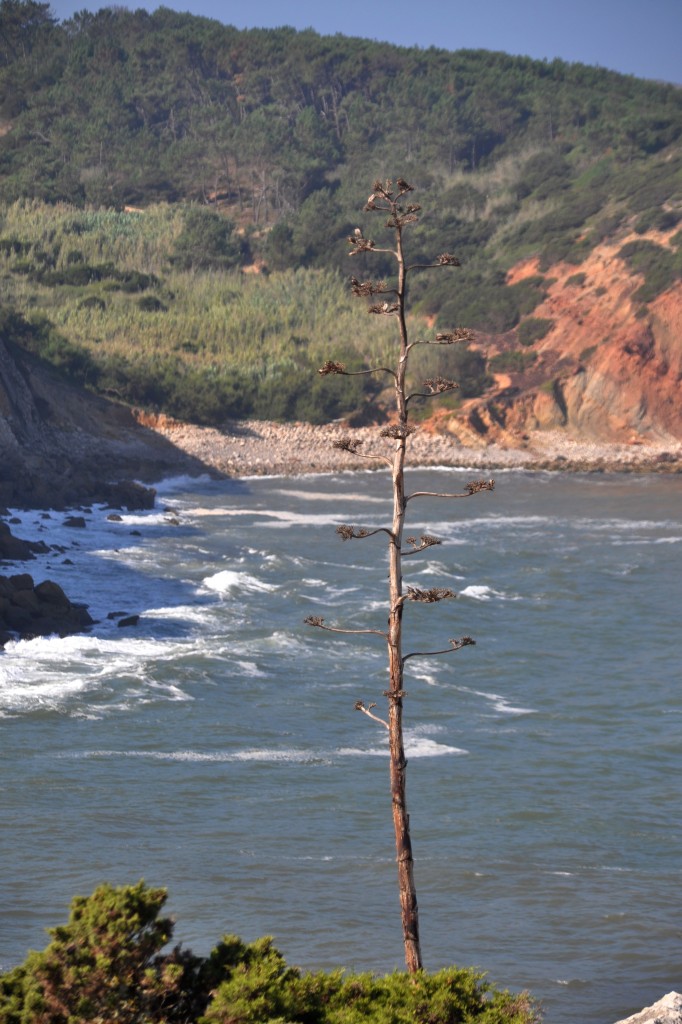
(76, 275)
(464, 365)
(606, 225)
(92, 302)
(576, 280)
(660, 266)
(207, 241)
(544, 174)
(107, 964)
(103, 965)
(38, 336)
(486, 303)
(656, 185)
(150, 304)
(533, 329)
(13, 247)
(133, 281)
(657, 219)
(483, 301)
(514, 361)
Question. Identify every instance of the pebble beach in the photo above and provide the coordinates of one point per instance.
(259, 448)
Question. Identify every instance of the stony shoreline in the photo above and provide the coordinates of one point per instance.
(259, 448)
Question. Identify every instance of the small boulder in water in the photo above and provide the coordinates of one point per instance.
(129, 620)
(76, 522)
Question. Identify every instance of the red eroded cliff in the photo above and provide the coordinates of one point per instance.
(609, 369)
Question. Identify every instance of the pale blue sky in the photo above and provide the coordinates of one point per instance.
(638, 37)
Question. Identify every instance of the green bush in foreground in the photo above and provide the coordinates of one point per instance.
(107, 964)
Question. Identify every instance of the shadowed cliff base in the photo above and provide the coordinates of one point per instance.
(60, 445)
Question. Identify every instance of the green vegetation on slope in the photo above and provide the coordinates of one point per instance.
(114, 300)
(251, 148)
(107, 964)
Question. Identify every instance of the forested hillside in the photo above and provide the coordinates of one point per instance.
(148, 160)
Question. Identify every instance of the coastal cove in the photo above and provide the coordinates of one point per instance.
(213, 748)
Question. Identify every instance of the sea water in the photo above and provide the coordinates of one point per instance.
(214, 748)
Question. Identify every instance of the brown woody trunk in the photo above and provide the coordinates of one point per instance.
(398, 763)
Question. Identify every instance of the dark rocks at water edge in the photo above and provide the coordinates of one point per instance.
(15, 549)
(29, 609)
(24, 486)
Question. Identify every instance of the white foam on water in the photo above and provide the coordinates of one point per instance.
(56, 670)
(362, 752)
(267, 756)
(423, 747)
(424, 677)
(182, 483)
(627, 525)
(16, 694)
(333, 496)
(155, 518)
(278, 519)
(499, 703)
(618, 543)
(250, 668)
(417, 746)
(229, 580)
(438, 569)
(481, 592)
(201, 614)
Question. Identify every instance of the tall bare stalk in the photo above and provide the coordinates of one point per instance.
(389, 199)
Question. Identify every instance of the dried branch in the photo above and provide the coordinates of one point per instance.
(460, 334)
(317, 620)
(428, 596)
(359, 706)
(474, 486)
(453, 337)
(455, 645)
(360, 243)
(385, 308)
(436, 385)
(471, 488)
(397, 431)
(339, 368)
(359, 533)
(385, 189)
(367, 288)
(399, 222)
(352, 445)
(331, 367)
(425, 541)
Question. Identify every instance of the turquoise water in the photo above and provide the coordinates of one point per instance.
(214, 749)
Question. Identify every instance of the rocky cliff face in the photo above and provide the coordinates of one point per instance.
(60, 445)
(608, 370)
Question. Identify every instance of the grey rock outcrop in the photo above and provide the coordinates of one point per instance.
(61, 445)
(667, 1010)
